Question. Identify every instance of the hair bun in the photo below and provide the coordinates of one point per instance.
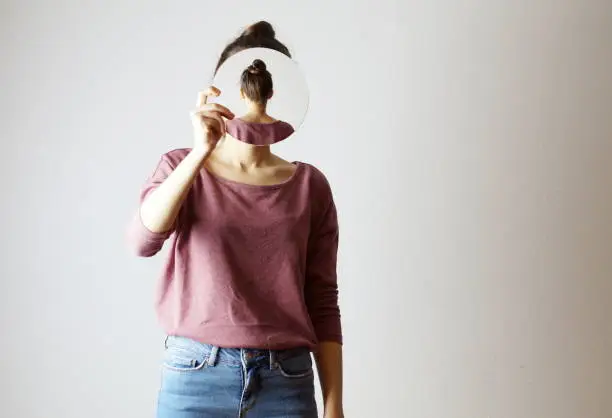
(257, 67)
(261, 29)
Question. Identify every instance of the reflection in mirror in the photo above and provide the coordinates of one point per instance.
(257, 126)
(267, 92)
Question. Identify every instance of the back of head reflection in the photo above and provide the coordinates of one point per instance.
(256, 126)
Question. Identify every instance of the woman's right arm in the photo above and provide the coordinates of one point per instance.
(166, 190)
(159, 210)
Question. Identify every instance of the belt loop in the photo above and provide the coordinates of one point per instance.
(212, 357)
(166, 342)
(273, 360)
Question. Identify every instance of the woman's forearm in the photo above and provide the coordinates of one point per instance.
(329, 364)
(160, 209)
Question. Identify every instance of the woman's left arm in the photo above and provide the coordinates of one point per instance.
(321, 294)
(329, 364)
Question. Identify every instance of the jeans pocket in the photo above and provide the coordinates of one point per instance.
(183, 359)
(296, 367)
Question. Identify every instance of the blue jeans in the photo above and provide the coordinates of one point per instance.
(201, 381)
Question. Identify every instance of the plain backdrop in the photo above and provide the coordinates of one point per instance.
(469, 147)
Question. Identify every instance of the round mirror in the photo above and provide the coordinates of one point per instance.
(266, 91)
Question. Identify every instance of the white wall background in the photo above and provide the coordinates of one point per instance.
(469, 145)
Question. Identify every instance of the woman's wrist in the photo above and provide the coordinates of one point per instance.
(200, 153)
(334, 411)
(333, 404)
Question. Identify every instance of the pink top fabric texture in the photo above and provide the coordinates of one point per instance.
(248, 266)
(258, 133)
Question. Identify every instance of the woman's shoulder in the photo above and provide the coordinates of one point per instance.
(286, 126)
(316, 178)
(313, 170)
(175, 156)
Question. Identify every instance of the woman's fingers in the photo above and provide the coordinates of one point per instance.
(212, 125)
(214, 119)
(211, 114)
(203, 95)
(215, 107)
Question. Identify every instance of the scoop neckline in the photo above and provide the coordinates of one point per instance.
(298, 166)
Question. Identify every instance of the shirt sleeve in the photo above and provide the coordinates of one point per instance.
(321, 288)
(141, 240)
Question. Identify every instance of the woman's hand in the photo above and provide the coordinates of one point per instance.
(208, 123)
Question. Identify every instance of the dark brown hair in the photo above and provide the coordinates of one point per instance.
(258, 35)
(256, 82)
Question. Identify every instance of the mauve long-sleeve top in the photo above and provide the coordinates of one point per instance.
(248, 266)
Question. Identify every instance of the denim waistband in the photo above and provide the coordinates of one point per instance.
(213, 354)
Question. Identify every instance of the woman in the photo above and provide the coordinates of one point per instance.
(249, 286)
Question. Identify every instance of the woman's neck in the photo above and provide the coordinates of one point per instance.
(256, 112)
(256, 108)
(240, 154)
